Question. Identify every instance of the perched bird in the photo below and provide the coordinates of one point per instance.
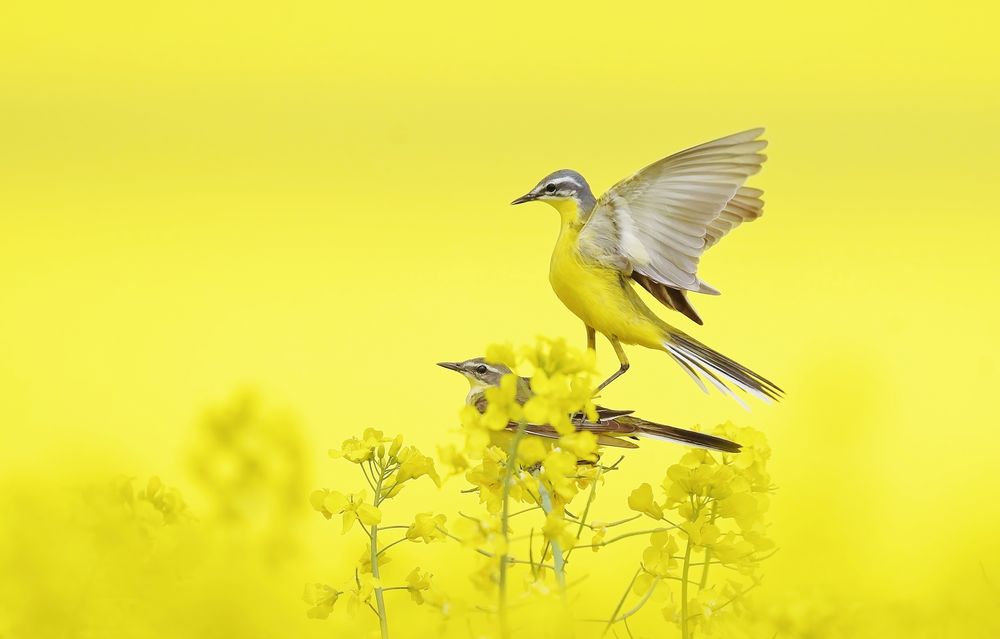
(613, 427)
(651, 228)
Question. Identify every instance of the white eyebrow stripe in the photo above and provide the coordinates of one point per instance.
(567, 179)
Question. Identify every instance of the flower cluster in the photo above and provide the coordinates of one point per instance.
(559, 385)
(387, 467)
(535, 479)
(713, 506)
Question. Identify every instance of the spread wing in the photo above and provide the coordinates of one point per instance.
(746, 206)
(662, 219)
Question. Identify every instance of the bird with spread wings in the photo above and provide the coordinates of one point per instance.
(652, 228)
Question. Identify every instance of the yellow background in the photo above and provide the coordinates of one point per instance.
(310, 199)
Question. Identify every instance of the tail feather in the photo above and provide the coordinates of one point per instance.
(703, 363)
(683, 436)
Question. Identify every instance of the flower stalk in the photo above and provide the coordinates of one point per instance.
(383, 622)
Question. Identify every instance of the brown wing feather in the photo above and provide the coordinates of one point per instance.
(548, 432)
(669, 296)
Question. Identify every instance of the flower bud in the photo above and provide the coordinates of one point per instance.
(396, 445)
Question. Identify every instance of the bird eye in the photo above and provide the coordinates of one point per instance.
(480, 370)
(550, 188)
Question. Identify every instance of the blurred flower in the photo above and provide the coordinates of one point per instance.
(501, 354)
(558, 471)
(701, 532)
(452, 459)
(557, 357)
(481, 533)
(426, 527)
(600, 529)
(502, 406)
(531, 451)
(658, 558)
(582, 444)
(477, 436)
(557, 530)
(364, 563)
(416, 583)
(362, 592)
(322, 599)
(251, 463)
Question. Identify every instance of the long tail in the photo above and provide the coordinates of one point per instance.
(700, 361)
(681, 435)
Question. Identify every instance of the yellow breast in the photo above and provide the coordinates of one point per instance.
(599, 295)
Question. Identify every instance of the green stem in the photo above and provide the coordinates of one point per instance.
(625, 536)
(398, 541)
(708, 550)
(685, 633)
(638, 606)
(557, 556)
(621, 602)
(379, 599)
(586, 510)
(505, 524)
(486, 553)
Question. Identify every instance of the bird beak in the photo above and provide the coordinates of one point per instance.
(452, 366)
(527, 197)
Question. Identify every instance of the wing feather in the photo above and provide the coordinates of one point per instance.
(662, 218)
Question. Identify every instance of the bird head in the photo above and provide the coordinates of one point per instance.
(479, 372)
(566, 190)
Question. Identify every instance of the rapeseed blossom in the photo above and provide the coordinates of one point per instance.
(535, 507)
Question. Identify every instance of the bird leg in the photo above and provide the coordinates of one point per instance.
(620, 352)
(591, 339)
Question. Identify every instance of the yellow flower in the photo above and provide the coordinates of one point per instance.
(558, 470)
(360, 450)
(641, 500)
(426, 527)
(531, 451)
(558, 530)
(321, 598)
(452, 458)
(352, 507)
(488, 478)
(477, 436)
(557, 397)
(555, 356)
(502, 406)
(686, 479)
(583, 445)
(414, 464)
(416, 583)
(501, 354)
